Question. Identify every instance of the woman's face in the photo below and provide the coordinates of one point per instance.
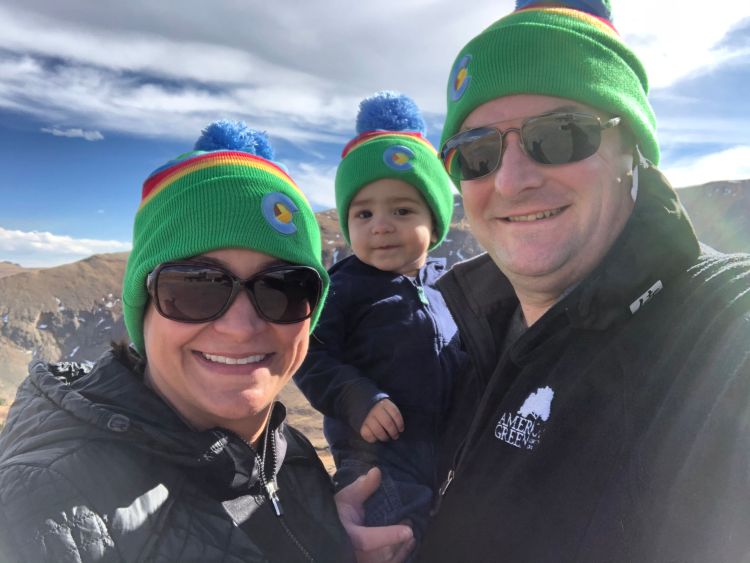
(229, 371)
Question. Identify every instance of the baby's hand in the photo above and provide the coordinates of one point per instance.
(384, 422)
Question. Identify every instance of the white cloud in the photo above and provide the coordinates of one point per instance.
(128, 50)
(144, 86)
(675, 42)
(42, 249)
(317, 183)
(146, 71)
(102, 99)
(729, 164)
(698, 129)
(74, 133)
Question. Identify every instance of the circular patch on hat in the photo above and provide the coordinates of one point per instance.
(460, 78)
(399, 158)
(278, 210)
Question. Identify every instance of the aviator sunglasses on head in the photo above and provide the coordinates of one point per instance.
(195, 292)
(552, 138)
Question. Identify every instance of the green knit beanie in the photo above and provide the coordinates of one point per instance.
(228, 193)
(564, 49)
(391, 144)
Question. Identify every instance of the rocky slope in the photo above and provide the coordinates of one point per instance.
(9, 268)
(67, 312)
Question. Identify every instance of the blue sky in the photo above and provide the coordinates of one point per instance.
(94, 95)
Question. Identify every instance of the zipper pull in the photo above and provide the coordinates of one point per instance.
(422, 295)
(273, 494)
(446, 483)
(438, 501)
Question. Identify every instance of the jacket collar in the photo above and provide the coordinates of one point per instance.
(657, 243)
(433, 268)
(114, 401)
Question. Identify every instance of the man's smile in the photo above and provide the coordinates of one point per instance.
(536, 216)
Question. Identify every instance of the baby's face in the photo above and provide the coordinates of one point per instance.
(390, 226)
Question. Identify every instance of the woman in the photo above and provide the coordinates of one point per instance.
(174, 449)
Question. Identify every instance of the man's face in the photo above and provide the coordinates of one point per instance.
(547, 226)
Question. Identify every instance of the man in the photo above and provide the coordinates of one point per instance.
(607, 414)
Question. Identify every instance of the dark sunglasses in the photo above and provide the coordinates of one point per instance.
(195, 292)
(553, 138)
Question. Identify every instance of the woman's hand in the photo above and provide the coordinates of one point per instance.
(381, 544)
(384, 422)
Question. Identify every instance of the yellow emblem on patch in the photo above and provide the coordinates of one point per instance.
(282, 213)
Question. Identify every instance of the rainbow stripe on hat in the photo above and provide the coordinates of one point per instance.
(602, 24)
(164, 177)
(360, 140)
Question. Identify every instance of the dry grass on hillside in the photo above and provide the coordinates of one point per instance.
(9, 268)
(307, 420)
(27, 293)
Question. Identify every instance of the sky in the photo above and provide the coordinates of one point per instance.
(94, 95)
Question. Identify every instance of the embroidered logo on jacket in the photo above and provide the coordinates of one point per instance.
(646, 297)
(524, 429)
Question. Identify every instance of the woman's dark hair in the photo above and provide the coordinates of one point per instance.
(128, 356)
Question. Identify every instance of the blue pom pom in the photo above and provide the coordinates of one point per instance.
(600, 8)
(389, 111)
(234, 136)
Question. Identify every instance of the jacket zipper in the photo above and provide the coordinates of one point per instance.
(448, 480)
(459, 455)
(447, 483)
(457, 311)
(421, 294)
(272, 492)
(294, 539)
(436, 330)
